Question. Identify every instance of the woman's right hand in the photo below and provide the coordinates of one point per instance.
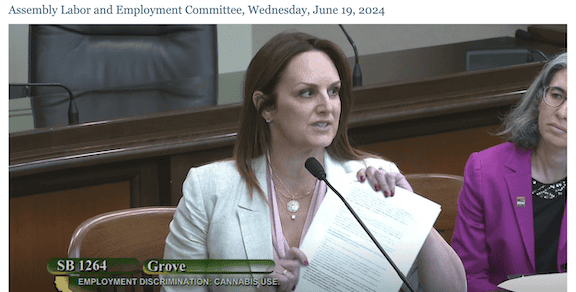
(287, 271)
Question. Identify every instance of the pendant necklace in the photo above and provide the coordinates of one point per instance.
(293, 206)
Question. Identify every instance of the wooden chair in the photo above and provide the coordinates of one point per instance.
(138, 233)
(444, 190)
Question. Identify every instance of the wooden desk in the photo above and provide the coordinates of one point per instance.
(61, 176)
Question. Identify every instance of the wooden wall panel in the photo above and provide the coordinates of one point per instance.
(41, 227)
(438, 153)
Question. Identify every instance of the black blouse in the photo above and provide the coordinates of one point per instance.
(549, 201)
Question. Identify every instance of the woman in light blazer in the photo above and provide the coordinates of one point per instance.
(512, 208)
(297, 97)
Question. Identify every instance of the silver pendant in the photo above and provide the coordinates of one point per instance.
(293, 206)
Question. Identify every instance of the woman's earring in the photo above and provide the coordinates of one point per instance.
(268, 121)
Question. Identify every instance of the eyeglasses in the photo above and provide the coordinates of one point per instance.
(554, 96)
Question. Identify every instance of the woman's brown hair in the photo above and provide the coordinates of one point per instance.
(264, 74)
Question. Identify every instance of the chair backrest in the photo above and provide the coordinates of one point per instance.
(443, 189)
(117, 71)
(138, 233)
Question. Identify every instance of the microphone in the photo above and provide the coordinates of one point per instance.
(73, 118)
(522, 34)
(357, 74)
(527, 36)
(316, 169)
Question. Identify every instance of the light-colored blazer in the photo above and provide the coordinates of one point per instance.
(217, 219)
(494, 233)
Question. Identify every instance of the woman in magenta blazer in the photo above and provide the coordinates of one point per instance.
(512, 208)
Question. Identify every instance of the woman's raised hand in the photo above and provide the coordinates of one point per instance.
(383, 181)
(287, 271)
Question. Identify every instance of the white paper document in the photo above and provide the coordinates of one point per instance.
(342, 256)
(557, 282)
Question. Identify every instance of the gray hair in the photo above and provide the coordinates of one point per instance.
(520, 126)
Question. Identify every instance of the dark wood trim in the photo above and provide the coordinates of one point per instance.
(121, 140)
(426, 126)
(142, 175)
(554, 34)
(46, 150)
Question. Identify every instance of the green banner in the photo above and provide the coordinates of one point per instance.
(208, 266)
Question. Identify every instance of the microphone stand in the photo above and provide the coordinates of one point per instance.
(357, 74)
(73, 118)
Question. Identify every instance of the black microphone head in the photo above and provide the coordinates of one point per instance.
(522, 34)
(315, 168)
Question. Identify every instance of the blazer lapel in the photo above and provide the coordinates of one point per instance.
(254, 218)
(519, 184)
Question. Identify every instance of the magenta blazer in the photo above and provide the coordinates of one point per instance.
(494, 233)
